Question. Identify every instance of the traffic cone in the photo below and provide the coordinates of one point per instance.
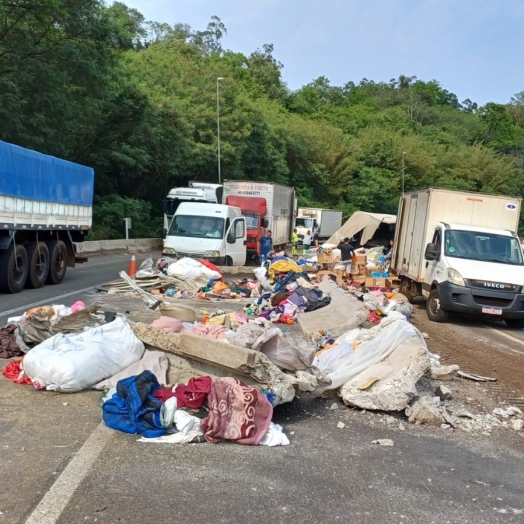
(131, 269)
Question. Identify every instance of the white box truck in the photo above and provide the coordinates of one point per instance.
(265, 205)
(460, 251)
(322, 223)
(46, 208)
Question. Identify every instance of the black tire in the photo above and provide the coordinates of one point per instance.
(14, 267)
(57, 262)
(38, 257)
(229, 261)
(434, 309)
(514, 323)
(405, 289)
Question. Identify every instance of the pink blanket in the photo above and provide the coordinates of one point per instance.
(237, 412)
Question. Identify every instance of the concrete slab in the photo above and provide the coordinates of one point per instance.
(219, 358)
(344, 312)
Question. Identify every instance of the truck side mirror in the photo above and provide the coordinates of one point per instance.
(432, 252)
(265, 223)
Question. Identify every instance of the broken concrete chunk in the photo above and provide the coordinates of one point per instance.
(443, 392)
(518, 424)
(397, 376)
(426, 411)
(463, 413)
(383, 442)
(438, 372)
(333, 406)
(341, 425)
(401, 427)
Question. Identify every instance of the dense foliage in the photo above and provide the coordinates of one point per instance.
(136, 100)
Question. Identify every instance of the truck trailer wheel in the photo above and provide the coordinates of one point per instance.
(515, 323)
(434, 309)
(57, 262)
(14, 267)
(38, 256)
(405, 289)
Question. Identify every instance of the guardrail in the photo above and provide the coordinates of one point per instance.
(138, 245)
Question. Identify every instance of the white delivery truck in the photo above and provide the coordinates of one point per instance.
(461, 251)
(214, 232)
(266, 206)
(195, 192)
(322, 223)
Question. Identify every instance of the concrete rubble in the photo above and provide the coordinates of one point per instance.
(439, 372)
(428, 411)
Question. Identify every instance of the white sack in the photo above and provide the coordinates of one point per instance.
(70, 363)
(191, 269)
(260, 274)
(274, 436)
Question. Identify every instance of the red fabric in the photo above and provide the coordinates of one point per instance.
(237, 412)
(210, 265)
(14, 372)
(194, 393)
(373, 317)
(163, 394)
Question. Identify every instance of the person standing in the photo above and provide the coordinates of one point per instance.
(266, 245)
(346, 250)
(306, 243)
(294, 240)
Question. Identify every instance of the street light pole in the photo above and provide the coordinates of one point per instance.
(403, 156)
(219, 79)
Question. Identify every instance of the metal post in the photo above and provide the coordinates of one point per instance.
(403, 156)
(219, 79)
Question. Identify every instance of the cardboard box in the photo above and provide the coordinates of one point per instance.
(393, 283)
(360, 260)
(375, 282)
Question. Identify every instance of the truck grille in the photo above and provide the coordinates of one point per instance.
(181, 254)
(496, 286)
(490, 301)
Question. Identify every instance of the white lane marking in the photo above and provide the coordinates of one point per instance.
(57, 498)
(46, 301)
(514, 339)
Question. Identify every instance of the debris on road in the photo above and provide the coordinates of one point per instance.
(383, 442)
(439, 372)
(476, 378)
(443, 392)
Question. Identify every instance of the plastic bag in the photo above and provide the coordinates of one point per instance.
(147, 268)
(192, 270)
(263, 280)
(70, 363)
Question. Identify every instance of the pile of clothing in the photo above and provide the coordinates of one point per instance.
(203, 410)
(287, 291)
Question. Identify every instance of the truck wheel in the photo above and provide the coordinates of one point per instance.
(57, 262)
(515, 323)
(14, 267)
(38, 257)
(405, 289)
(434, 309)
(229, 261)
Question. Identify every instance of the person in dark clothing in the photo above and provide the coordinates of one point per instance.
(346, 250)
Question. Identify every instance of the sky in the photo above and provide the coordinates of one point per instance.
(474, 48)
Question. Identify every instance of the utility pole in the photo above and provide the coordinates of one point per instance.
(219, 79)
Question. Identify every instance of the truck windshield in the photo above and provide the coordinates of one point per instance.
(251, 221)
(486, 247)
(196, 226)
(304, 222)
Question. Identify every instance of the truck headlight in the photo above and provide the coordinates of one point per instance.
(169, 251)
(211, 254)
(455, 277)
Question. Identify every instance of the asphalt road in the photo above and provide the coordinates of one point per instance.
(77, 283)
(59, 464)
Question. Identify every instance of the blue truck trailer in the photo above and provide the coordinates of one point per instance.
(46, 207)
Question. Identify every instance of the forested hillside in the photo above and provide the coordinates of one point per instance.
(136, 100)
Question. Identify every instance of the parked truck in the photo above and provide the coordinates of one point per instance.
(195, 192)
(322, 223)
(215, 232)
(265, 205)
(461, 252)
(45, 208)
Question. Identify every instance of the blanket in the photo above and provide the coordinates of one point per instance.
(237, 412)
